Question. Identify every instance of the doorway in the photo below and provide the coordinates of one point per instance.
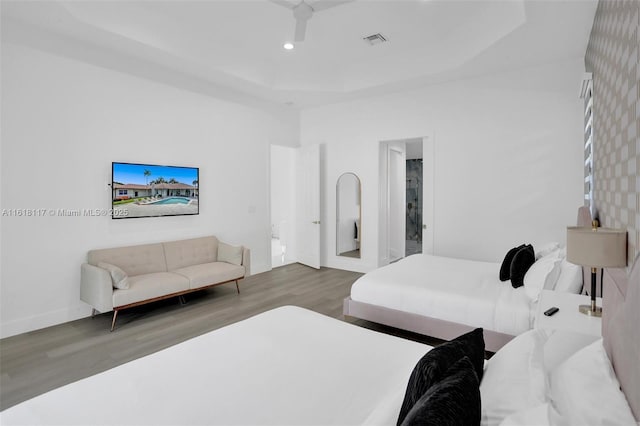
(295, 205)
(406, 198)
(282, 205)
(391, 213)
(413, 233)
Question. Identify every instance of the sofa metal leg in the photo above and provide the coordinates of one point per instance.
(94, 312)
(237, 287)
(182, 300)
(113, 322)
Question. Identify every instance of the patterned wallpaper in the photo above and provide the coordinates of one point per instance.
(612, 56)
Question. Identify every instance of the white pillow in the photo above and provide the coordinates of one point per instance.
(119, 278)
(546, 249)
(514, 378)
(584, 390)
(543, 274)
(229, 254)
(562, 344)
(570, 279)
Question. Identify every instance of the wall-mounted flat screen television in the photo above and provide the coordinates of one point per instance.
(147, 190)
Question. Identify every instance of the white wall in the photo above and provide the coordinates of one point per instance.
(508, 158)
(63, 123)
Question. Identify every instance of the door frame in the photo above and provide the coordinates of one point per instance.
(383, 197)
(308, 202)
(428, 193)
(428, 196)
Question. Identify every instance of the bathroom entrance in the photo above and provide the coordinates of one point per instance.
(406, 214)
(413, 227)
(414, 197)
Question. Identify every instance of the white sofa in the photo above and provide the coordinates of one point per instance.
(151, 272)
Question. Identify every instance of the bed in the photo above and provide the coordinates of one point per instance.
(267, 370)
(444, 297)
(294, 366)
(564, 378)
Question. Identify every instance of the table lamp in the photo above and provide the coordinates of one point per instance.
(596, 248)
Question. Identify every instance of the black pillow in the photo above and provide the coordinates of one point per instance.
(454, 400)
(433, 366)
(505, 268)
(522, 261)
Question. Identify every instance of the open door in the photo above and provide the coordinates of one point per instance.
(428, 188)
(308, 205)
(392, 225)
(396, 200)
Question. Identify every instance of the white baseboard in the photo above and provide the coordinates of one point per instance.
(349, 264)
(257, 268)
(47, 319)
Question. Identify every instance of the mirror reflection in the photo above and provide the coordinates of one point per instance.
(348, 215)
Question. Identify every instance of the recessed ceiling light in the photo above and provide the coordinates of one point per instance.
(288, 46)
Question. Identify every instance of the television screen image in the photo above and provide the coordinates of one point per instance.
(147, 190)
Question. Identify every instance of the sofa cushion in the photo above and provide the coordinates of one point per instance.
(230, 254)
(194, 251)
(119, 278)
(149, 286)
(210, 273)
(134, 260)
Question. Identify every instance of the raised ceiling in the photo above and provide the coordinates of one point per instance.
(237, 44)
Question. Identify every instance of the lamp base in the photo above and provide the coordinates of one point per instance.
(591, 311)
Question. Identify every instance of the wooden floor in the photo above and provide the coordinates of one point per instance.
(36, 362)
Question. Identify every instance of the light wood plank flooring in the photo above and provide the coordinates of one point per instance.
(36, 362)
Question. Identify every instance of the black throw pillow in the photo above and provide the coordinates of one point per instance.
(433, 366)
(454, 400)
(505, 268)
(522, 261)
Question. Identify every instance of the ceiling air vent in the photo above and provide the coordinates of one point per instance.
(375, 39)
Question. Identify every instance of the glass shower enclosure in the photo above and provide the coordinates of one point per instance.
(414, 207)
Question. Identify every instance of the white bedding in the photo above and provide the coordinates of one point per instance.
(285, 366)
(457, 290)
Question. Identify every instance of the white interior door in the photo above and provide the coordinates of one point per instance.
(308, 205)
(396, 196)
(428, 190)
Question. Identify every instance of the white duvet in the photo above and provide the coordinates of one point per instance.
(288, 366)
(457, 290)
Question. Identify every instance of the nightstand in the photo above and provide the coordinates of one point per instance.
(567, 318)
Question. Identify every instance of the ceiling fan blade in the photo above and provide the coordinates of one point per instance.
(284, 3)
(326, 4)
(301, 29)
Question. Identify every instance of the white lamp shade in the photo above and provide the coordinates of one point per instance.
(597, 248)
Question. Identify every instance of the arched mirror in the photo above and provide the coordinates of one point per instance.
(348, 215)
